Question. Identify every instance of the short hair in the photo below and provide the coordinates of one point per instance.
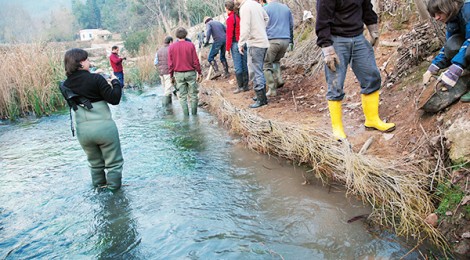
(72, 59)
(449, 7)
(168, 40)
(230, 5)
(181, 33)
(114, 48)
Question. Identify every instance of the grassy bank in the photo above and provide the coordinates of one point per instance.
(29, 76)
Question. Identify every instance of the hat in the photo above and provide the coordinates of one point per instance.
(206, 19)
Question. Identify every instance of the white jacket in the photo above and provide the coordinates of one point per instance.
(253, 22)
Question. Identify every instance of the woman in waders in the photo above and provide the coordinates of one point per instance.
(96, 130)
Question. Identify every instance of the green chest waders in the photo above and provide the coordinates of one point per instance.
(98, 135)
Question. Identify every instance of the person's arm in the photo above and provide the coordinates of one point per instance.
(208, 32)
(115, 59)
(111, 94)
(229, 32)
(291, 27)
(325, 17)
(171, 66)
(196, 64)
(245, 25)
(368, 14)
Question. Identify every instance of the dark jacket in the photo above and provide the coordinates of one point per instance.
(217, 30)
(162, 65)
(345, 18)
(94, 87)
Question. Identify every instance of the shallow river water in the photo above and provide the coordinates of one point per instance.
(190, 192)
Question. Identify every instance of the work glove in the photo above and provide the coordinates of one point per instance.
(173, 81)
(374, 33)
(432, 70)
(330, 57)
(199, 78)
(451, 75)
(291, 47)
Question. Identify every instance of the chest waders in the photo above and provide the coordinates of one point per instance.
(98, 135)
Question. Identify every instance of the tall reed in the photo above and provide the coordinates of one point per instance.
(29, 76)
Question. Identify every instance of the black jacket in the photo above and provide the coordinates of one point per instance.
(345, 18)
(94, 87)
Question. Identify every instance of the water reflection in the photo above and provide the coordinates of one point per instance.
(116, 229)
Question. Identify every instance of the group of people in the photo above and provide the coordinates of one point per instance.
(257, 37)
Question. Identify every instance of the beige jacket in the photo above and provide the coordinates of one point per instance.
(253, 22)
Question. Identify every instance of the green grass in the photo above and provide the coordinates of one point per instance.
(450, 196)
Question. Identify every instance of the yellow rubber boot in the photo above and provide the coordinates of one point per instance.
(370, 106)
(336, 116)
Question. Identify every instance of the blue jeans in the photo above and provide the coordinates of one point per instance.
(120, 76)
(239, 61)
(358, 52)
(255, 66)
(216, 47)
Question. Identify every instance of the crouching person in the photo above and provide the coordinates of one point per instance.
(185, 71)
(96, 130)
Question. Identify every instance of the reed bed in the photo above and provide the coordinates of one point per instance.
(29, 76)
(397, 190)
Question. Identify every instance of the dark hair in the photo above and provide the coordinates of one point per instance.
(168, 39)
(72, 59)
(181, 33)
(114, 47)
(231, 6)
(449, 7)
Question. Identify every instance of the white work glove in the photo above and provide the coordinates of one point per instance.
(330, 57)
(374, 34)
(432, 70)
(451, 75)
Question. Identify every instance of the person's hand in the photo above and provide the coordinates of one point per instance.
(330, 57)
(241, 50)
(112, 76)
(451, 75)
(173, 81)
(206, 44)
(374, 33)
(432, 70)
(229, 54)
(199, 78)
(125, 58)
(291, 47)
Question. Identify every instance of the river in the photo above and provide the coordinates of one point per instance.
(191, 191)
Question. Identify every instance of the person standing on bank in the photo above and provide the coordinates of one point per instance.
(280, 34)
(116, 64)
(339, 29)
(217, 30)
(253, 22)
(161, 62)
(185, 71)
(96, 131)
(456, 15)
(233, 35)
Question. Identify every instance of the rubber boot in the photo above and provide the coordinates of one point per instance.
(246, 80)
(261, 99)
(277, 75)
(225, 64)
(166, 101)
(98, 178)
(240, 88)
(370, 106)
(215, 68)
(184, 107)
(465, 98)
(194, 107)
(268, 75)
(336, 115)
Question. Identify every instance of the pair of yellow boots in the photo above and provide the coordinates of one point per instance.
(370, 106)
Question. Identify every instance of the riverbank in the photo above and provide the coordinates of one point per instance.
(405, 174)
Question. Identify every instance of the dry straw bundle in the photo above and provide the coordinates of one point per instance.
(396, 189)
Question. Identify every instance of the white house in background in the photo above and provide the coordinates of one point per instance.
(94, 34)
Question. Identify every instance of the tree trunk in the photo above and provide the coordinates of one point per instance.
(422, 10)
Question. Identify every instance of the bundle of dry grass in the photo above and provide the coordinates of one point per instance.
(396, 189)
(29, 74)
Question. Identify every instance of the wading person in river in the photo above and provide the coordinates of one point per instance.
(96, 131)
(339, 29)
(233, 35)
(456, 15)
(185, 71)
(161, 62)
